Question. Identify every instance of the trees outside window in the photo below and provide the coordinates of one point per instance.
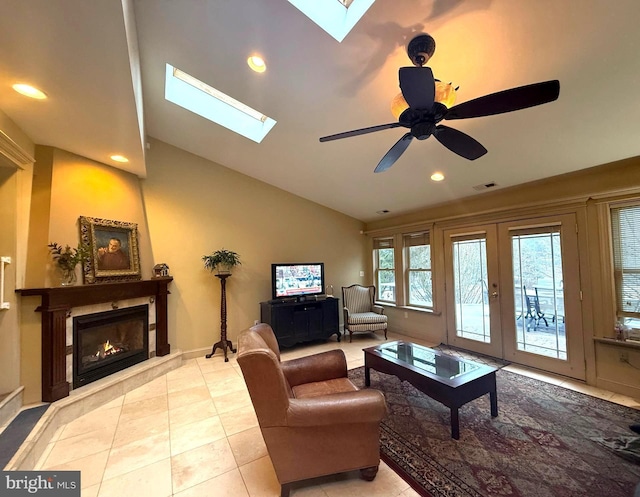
(418, 270)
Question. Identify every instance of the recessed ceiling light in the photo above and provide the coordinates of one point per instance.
(29, 91)
(257, 63)
(437, 176)
(119, 158)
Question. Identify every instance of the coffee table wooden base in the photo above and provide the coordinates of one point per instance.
(464, 389)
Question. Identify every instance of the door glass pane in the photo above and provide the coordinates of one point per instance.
(470, 289)
(538, 293)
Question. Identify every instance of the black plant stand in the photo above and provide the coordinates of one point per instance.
(223, 343)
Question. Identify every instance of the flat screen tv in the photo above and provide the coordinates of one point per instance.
(290, 280)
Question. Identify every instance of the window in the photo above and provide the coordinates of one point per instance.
(336, 17)
(197, 96)
(625, 225)
(384, 261)
(418, 270)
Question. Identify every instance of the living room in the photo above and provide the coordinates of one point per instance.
(186, 206)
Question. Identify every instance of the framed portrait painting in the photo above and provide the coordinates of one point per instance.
(113, 246)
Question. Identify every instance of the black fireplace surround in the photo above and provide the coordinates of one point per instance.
(107, 342)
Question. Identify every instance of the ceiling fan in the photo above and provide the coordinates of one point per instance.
(424, 102)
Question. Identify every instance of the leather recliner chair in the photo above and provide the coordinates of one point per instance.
(313, 419)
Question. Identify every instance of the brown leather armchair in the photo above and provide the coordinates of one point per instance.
(313, 419)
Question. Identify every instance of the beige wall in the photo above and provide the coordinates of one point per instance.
(15, 198)
(9, 336)
(195, 206)
(187, 207)
(65, 187)
(587, 194)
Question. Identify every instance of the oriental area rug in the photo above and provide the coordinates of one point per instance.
(541, 444)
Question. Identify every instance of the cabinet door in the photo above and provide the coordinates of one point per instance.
(331, 317)
(284, 325)
(300, 324)
(315, 323)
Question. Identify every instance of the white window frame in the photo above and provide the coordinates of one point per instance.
(384, 243)
(417, 239)
(618, 269)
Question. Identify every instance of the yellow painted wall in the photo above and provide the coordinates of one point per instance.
(9, 349)
(65, 187)
(15, 199)
(195, 206)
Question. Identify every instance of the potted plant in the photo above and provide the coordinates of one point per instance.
(222, 260)
(66, 259)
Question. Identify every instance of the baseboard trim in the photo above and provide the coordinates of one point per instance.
(10, 406)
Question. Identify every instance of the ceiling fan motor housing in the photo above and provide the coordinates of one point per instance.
(423, 130)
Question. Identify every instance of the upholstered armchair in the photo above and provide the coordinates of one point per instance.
(313, 419)
(360, 312)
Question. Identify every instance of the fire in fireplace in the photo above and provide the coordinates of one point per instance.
(107, 342)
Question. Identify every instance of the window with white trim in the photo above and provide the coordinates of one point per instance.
(419, 287)
(625, 227)
(385, 269)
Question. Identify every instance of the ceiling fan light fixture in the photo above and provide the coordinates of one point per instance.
(445, 94)
(398, 105)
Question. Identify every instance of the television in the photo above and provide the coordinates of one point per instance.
(295, 280)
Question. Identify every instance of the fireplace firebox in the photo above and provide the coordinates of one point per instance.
(107, 342)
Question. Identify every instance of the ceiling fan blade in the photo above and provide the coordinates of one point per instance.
(357, 132)
(417, 86)
(506, 100)
(459, 142)
(394, 153)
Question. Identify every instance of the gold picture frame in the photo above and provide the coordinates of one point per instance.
(113, 247)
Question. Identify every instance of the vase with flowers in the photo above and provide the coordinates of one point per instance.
(66, 259)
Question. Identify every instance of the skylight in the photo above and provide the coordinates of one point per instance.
(198, 97)
(336, 17)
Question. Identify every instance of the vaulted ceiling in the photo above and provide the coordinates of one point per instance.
(102, 65)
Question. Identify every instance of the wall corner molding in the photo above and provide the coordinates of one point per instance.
(14, 152)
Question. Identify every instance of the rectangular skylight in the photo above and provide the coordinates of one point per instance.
(336, 17)
(198, 97)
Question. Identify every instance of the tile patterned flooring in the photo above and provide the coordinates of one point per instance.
(193, 432)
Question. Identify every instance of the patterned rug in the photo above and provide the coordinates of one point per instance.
(539, 445)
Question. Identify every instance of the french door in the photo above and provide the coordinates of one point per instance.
(513, 292)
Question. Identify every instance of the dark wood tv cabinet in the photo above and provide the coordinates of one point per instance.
(298, 322)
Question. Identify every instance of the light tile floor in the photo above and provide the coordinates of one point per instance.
(193, 432)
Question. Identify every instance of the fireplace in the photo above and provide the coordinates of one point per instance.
(106, 342)
(57, 304)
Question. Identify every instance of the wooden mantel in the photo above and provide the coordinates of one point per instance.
(57, 302)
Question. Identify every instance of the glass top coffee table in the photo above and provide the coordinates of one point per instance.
(447, 379)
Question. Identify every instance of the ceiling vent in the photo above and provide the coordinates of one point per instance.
(14, 152)
(382, 212)
(485, 186)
